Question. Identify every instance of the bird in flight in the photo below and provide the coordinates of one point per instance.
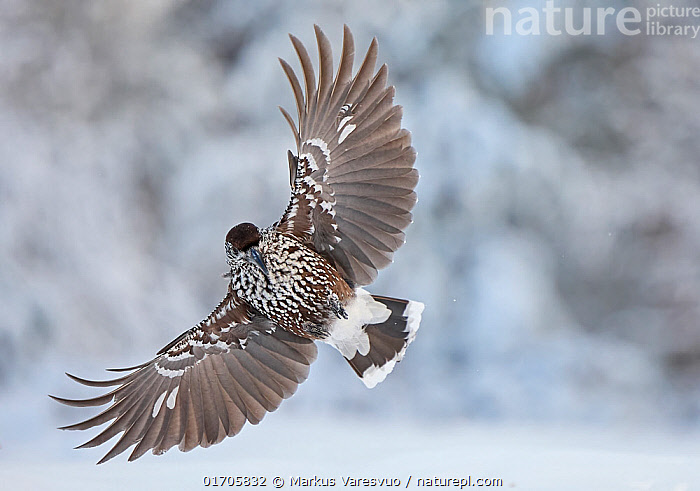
(293, 283)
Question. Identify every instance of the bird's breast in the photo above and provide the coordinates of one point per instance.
(296, 293)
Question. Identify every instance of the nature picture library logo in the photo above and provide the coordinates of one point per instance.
(554, 19)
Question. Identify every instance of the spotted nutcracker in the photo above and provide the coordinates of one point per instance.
(293, 283)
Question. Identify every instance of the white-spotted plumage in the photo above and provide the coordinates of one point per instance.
(158, 404)
(343, 121)
(166, 372)
(352, 191)
(295, 289)
(172, 397)
(317, 142)
(345, 132)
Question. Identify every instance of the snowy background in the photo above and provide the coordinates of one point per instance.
(556, 241)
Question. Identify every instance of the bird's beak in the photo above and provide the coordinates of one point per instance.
(258, 260)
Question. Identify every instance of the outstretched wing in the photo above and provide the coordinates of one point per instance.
(202, 387)
(353, 177)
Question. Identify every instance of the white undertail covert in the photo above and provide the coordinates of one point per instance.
(348, 335)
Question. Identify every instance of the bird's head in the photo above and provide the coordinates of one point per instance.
(242, 243)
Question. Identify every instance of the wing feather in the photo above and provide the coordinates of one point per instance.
(298, 94)
(325, 76)
(343, 77)
(235, 416)
(231, 368)
(353, 179)
(154, 431)
(364, 74)
(194, 427)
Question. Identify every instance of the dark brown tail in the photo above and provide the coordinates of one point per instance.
(388, 341)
